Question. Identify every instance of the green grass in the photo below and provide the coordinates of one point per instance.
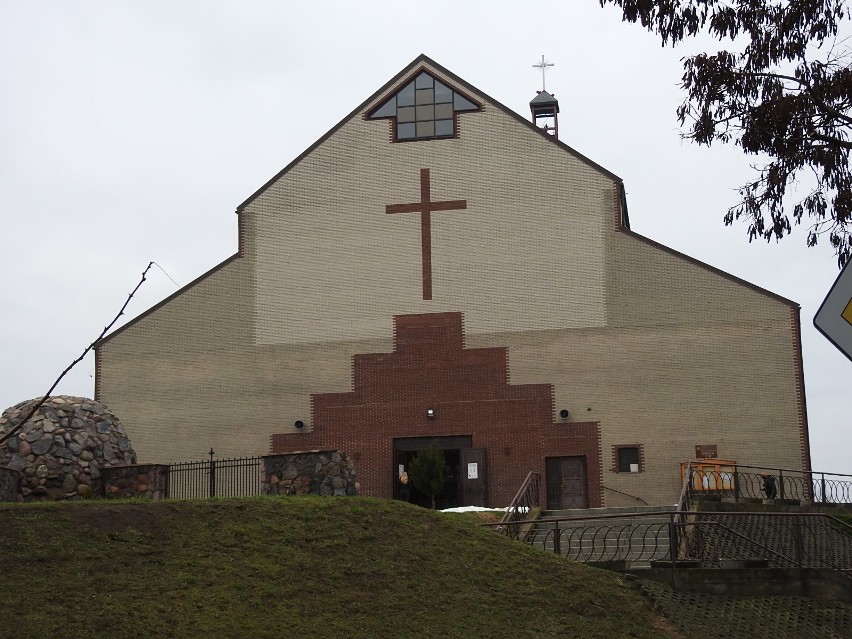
(347, 568)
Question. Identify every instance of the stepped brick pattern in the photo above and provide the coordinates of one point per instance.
(62, 449)
(641, 344)
(469, 391)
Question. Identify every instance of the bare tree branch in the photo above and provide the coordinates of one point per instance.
(38, 404)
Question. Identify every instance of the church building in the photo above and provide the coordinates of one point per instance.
(439, 270)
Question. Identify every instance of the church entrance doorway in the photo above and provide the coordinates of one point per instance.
(464, 474)
(566, 483)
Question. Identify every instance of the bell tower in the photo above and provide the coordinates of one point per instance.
(544, 106)
(545, 109)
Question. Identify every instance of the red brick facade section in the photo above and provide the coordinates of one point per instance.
(469, 392)
(804, 434)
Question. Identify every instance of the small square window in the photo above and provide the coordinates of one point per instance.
(425, 129)
(426, 112)
(443, 127)
(425, 96)
(405, 114)
(628, 459)
(405, 131)
(443, 111)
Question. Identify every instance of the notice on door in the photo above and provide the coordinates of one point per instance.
(473, 471)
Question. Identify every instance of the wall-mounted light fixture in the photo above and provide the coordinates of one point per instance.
(430, 413)
(564, 414)
(299, 424)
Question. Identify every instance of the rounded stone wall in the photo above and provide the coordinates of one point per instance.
(61, 450)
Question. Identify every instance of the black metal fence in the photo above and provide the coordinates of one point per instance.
(781, 540)
(637, 538)
(707, 539)
(227, 477)
(754, 482)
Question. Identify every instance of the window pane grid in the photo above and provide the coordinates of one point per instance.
(424, 108)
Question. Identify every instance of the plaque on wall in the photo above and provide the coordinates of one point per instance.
(707, 451)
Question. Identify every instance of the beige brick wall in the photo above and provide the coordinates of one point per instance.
(331, 264)
(663, 351)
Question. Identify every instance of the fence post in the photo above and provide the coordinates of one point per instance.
(673, 540)
(797, 537)
(822, 487)
(212, 489)
(168, 483)
(557, 544)
(736, 485)
(781, 481)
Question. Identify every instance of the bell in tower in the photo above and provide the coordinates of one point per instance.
(544, 106)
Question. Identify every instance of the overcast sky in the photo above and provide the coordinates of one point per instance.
(130, 131)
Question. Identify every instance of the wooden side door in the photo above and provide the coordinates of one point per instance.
(472, 474)
(566, 483)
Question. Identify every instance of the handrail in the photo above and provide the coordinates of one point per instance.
(643, 537)
(625, 494)
(744, 482)
(524, 485)
(796, 529)
(786, 470)
(526, 498)
(657, 513)
(649, 513)
(753, 542)
(683, 500)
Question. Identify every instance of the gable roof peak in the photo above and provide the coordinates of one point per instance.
(423, 61)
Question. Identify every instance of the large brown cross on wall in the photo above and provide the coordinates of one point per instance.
(426, 207)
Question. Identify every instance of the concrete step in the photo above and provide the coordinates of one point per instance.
(619, 510)
(627, 522)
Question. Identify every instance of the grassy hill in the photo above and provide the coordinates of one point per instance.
(347, 568)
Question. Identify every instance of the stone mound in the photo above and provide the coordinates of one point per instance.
(61, 450)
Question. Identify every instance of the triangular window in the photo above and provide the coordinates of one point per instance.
(424, 109)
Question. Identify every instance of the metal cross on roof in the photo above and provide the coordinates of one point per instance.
(543, 66)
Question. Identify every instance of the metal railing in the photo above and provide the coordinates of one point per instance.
(613, 490)
(756, 482)
(524, 506)
(227, 477)
(781, 540)
(803, 540)
(707, 539)
(637, 537)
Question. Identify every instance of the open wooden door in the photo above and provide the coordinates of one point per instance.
(472, 473)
